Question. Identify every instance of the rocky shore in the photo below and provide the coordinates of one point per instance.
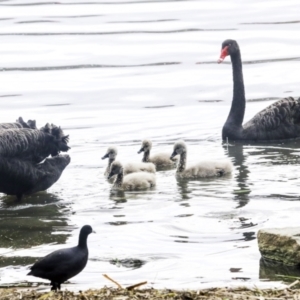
(280, 245)
(291, 291)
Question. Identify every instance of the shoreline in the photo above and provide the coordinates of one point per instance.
(291, 291)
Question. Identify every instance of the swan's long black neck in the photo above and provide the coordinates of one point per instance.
(182, 162)
(119, 180)
(146, 156)
(237, 111)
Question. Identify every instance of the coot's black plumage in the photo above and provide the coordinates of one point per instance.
(63, 264)
(21, 178)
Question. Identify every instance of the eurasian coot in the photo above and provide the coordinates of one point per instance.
(63, 264)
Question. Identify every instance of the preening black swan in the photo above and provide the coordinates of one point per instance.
(63, 264)
(279, 121)
(19, 177)
(20, 123)
(55, 131)
(31, 144)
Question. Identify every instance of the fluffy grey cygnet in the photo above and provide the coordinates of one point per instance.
(201, 169)
(159, 159)
(130, 182)
(132, 167)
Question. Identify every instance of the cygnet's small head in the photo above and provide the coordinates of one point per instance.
(179, 148)
(229, 47)
(146, 146)
(111, 153)
(115, 169)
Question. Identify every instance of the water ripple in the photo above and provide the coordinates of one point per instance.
(116, 32)
(86, 67)
(90, 3)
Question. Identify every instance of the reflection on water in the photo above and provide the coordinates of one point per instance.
(38, 221)
(272, 270)
(236, 152)
(130, 263)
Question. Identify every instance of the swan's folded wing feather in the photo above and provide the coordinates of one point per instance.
(20, 171)
(283, 113)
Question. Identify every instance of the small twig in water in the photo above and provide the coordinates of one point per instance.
(136, 285)
(107, 277)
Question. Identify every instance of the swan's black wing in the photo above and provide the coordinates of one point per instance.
(52, 168)
(29, 124)
(280, 120)
(20, 123)
(29, 144)
(57, 132)
(18, 176)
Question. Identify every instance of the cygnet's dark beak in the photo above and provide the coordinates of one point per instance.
(110, 175)
(94, 231)
(173, 154)
(141, 150)
(105, 156)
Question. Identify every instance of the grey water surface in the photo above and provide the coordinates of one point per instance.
(115, 72)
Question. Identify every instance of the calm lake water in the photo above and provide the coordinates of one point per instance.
(115, 72)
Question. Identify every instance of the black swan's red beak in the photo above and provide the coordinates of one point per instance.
(224, 53)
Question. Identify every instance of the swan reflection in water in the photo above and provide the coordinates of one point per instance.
(33, 224)
(265, 155)
(236, 152)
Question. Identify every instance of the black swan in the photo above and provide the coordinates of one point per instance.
(19, 177)
(279, 121)
(20, 123)
(31, 144)
(63, 264)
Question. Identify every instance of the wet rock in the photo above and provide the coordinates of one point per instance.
(280, 244)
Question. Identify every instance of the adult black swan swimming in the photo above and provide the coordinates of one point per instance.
(21, 178)
(279, 121)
